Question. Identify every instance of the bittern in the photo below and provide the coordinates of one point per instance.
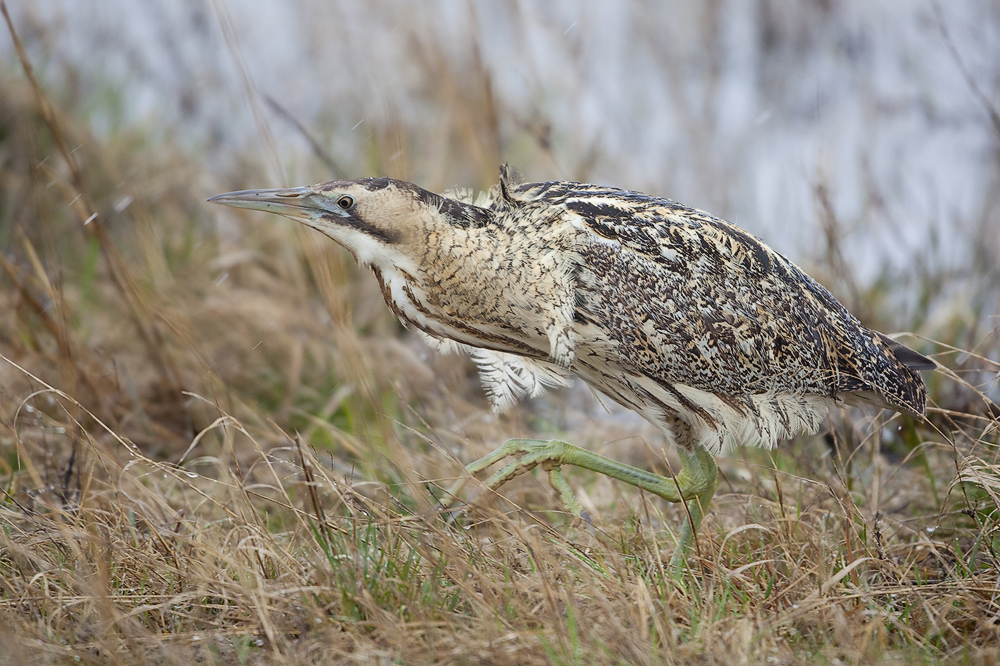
(698, 326)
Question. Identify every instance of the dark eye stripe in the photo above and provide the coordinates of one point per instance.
(354, 222)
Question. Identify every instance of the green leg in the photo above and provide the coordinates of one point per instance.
(695, 484)
(559, 482)
(696, 506)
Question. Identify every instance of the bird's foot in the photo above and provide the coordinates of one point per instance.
(694, 485)
(527, 454)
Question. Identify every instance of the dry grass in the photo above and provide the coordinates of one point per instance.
(221, 448)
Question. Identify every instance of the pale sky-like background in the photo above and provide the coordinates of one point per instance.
(738, 107)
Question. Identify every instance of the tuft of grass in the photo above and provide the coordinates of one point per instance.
(226, 451)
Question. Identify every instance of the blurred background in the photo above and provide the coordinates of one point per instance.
(860, 139)
(215, 438)
(775, 115)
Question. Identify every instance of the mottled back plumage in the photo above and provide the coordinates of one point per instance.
(689, 320)
(708, 322)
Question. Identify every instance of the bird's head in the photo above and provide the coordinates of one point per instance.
(382, 222)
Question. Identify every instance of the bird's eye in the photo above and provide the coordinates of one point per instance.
(345, 202)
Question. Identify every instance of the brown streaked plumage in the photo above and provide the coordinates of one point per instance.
(702, 328)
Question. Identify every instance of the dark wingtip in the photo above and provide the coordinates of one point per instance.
(915, 361)
(911, 359)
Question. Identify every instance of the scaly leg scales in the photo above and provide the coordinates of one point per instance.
(695, 484)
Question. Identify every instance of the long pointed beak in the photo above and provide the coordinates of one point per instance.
(294, 202)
